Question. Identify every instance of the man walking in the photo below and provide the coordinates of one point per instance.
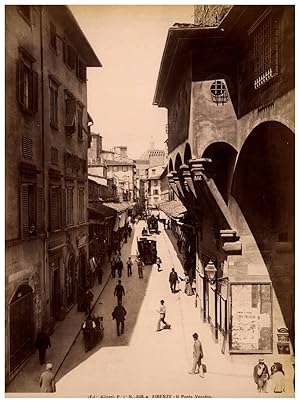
(99, 274)
(42, 343)
(119, 314)
(119, 265)
(162, 315)
(140, 266)
(173, 279)
(47, 383)
(113, 267)
(261, 375)
(119, 291)
(197, 356)
(129, 267)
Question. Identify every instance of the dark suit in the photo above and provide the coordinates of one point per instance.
(119, 314)
(42, 343)
(261, 376)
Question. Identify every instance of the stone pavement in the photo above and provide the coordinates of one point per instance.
(149, 362)
(62, 339)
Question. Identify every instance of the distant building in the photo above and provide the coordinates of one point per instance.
(154, 185)
(47, 137)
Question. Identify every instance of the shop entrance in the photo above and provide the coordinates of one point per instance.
(21, 326)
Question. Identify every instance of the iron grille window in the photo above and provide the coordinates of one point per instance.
(27, 147)
(266, 51)
(27, 84)
(70, 207)
(54, 155)
(219, 92)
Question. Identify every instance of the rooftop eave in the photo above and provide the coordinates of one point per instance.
(176, 34)
(75, 32)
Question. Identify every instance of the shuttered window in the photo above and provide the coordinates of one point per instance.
(27, 84)
(81, 216)
(54, 156)
(79, 119)
(55, 208)
(70, 116)
(32, 210)
(70, 207)
(27, 147)
(53, 103)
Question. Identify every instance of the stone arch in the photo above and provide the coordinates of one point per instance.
(263, 187)
(223, 157)
(178, 162)
(187, 153)
(171, 168)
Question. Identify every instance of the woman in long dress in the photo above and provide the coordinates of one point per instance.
(188, 286)
(277, 378)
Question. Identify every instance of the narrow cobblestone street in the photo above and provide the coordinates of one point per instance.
(146, 362)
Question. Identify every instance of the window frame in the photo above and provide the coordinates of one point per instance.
(54, 85)
(81, 70)
(80, 127)
(81, 211)
(27, 83)
(53, 37)
(55, 226)
(71, 104)
(69, 213)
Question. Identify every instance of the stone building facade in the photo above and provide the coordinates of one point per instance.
(231, 162)
(46, 171)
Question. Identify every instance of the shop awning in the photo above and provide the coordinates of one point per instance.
(174, 209)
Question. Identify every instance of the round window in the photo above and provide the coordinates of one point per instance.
(217, 88)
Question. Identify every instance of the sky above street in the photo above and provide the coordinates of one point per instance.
(129, 41)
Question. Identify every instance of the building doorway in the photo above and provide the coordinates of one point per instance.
(21, 326)
(70, 281)
(55, 304)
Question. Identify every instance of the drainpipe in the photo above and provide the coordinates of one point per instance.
(43, 157)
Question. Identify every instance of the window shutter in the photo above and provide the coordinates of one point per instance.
(63, 208)
(21, 82)
(40, 210)
(70, 114)
(53, 209)
(24, 211)
(27, 147)
(35, 91)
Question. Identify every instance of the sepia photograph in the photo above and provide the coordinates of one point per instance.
(149, 201)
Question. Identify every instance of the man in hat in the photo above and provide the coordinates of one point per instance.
(197, 357)
(47, 383)
(261, 375)
(162, 315)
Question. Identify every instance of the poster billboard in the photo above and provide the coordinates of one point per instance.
(251, 318)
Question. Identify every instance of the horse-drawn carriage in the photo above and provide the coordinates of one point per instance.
(147, 250)
(152, 223)
(92, 330)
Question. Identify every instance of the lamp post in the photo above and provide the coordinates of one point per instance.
(211, 273)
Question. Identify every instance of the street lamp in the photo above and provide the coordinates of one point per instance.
(210, 270)
(211, 273)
